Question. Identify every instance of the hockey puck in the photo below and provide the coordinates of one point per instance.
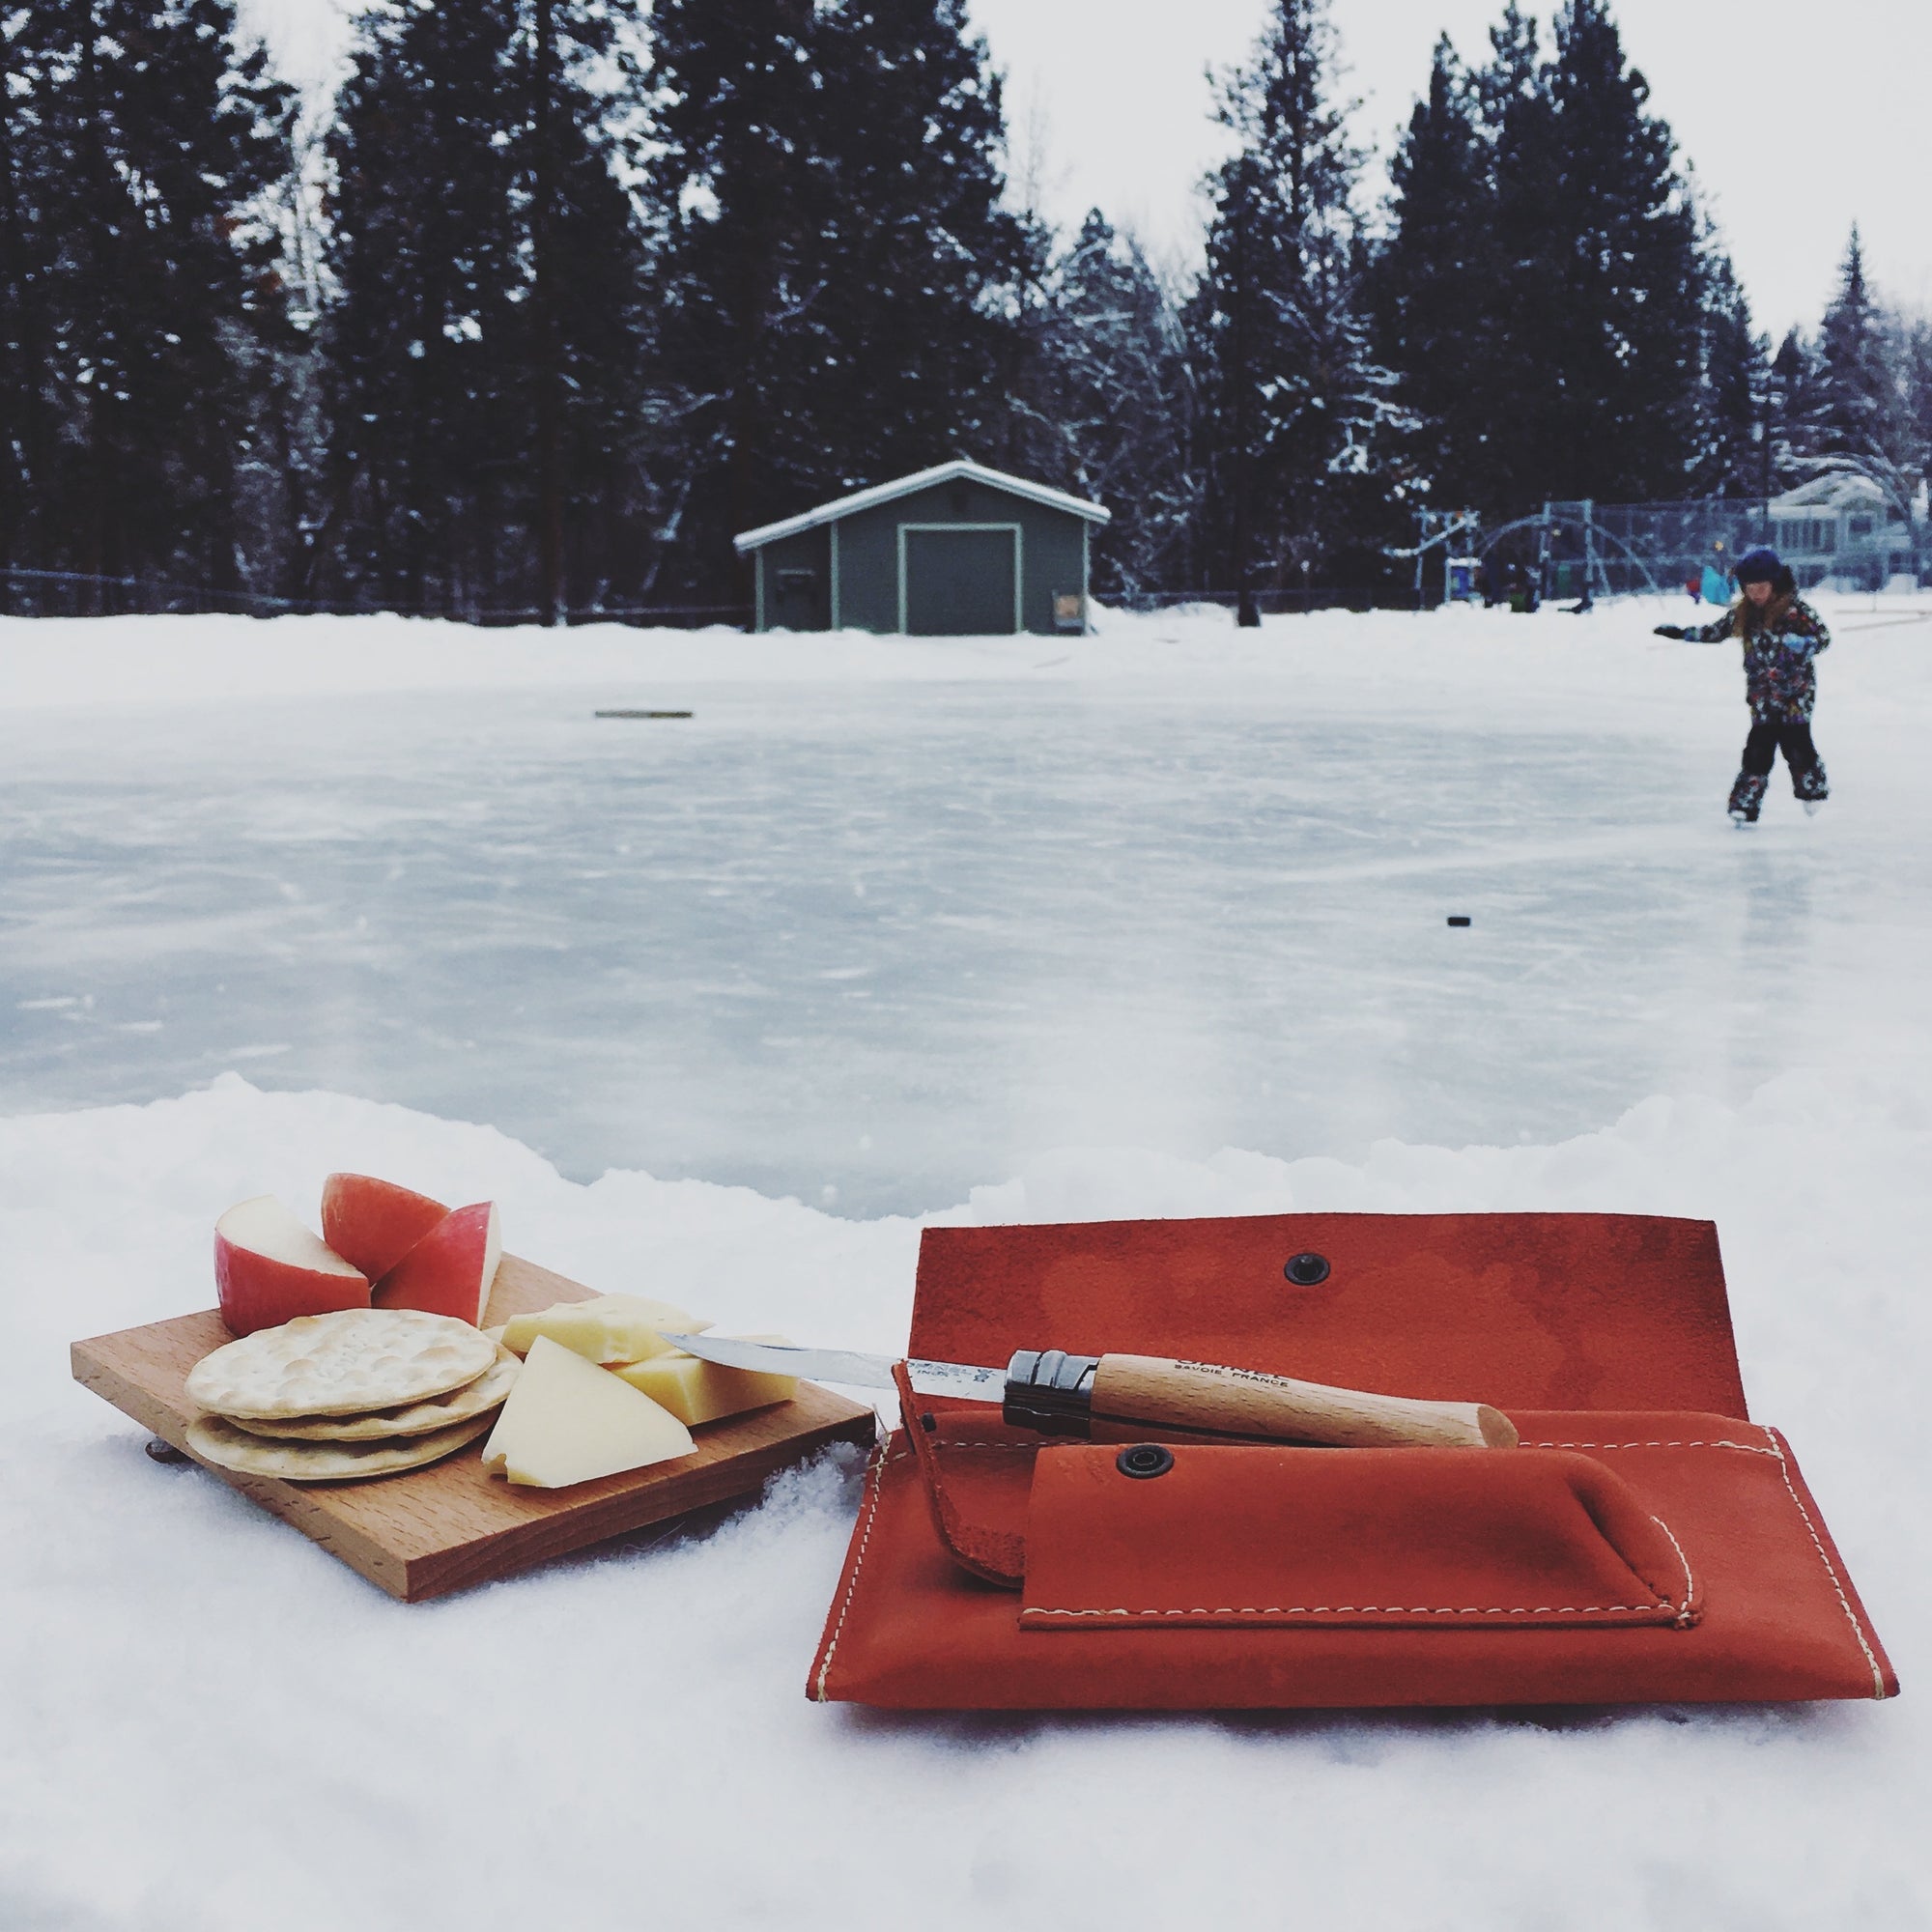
(1458, 918)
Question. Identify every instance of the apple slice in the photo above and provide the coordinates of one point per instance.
(450, 1270)
(268, 1268)
(373, 1223)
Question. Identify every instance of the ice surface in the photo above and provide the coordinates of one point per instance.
(1182, 862)
(872, 939)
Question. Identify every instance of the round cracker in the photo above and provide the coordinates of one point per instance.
(418, 1418)
(231, 1447)
(348, 1363)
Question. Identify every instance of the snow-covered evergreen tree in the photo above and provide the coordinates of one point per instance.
(1603, 324)
(1109, 404)
(1789, 400)
(1294, 412)
(1432, 289)
(1730, 456)
(138, 288)
(1858, 416)
(840, 271)
(462, 165)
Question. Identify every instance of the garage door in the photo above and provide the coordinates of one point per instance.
(959, 580)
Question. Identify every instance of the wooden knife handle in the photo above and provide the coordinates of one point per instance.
(1245, 1402)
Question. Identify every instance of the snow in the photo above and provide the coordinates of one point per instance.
(1150, 923)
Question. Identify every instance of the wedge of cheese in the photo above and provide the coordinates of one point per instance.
(567, 1421)
(695, 1391)
(607, 1328)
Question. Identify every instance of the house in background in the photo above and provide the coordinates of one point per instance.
(955, 551)
(1844, 528)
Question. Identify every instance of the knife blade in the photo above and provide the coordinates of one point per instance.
(1059, 1394)
(839, 1365)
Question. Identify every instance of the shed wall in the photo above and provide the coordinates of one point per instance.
(1052, 551)
(794, 575)
(794, 583)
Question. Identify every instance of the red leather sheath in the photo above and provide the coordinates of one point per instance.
(1646, 1543)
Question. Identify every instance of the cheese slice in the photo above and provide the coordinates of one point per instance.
(607, 1328)
(567, 1421)
(697, 1391)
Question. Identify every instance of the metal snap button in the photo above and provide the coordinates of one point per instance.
(1304, 1270)
(1145, 1459)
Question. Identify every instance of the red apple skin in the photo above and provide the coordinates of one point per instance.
(373, 1224)
(450, 1270)
(256, 1291)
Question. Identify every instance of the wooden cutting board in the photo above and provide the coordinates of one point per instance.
(425, 1533)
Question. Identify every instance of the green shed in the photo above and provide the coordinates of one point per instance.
(955, 551)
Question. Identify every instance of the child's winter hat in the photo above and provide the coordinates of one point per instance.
(1762, 565)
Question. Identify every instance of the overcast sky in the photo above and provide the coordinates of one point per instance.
(1799, 119)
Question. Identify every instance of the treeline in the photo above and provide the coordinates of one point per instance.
(558, 298)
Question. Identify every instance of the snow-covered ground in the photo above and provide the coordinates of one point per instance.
(1151, 923)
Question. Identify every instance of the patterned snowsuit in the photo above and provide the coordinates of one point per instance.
(1781, 686)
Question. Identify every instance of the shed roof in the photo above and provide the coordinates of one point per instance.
(961, 468)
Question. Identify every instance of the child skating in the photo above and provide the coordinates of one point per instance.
(1782, 634)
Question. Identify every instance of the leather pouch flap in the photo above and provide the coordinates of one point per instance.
(1266, 1536)
(1524, 1310)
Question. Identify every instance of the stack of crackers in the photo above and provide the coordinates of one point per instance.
(362, 1392)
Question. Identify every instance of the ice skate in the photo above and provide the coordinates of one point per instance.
(1813, 807)
(1746, 796)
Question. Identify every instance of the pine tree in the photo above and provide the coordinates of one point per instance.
(140, 287)
(924, 260)
(1431, 288)
(1789, 403)
(840, 273)
(1610, 352)
(482, 356)
(1110, 400)
(1858, 412)
(1859, 418)
(1918, 354)
(425, 339)
(1732, 455)
(1518, 126)
(1295, 414)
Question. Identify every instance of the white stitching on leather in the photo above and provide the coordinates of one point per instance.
(1376, 1610)
(877, 1475)
(1686, 1616)
(1716, 1442)
(1817, 1544)
(1769, 1447)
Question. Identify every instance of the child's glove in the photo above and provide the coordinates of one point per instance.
(1669, 631)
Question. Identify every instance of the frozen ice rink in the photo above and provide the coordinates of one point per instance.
(1148, 924)
(876, 938)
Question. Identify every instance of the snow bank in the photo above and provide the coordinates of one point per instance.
(184, 661)
(212, 1724)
